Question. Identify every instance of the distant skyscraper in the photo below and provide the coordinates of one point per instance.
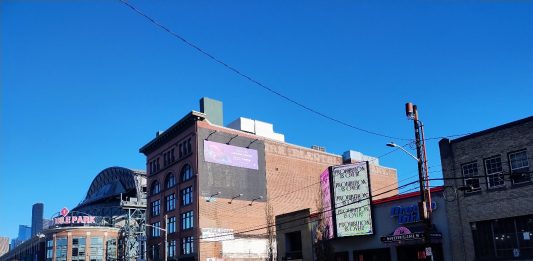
(24, 234)
(37, 218)
(4, 245)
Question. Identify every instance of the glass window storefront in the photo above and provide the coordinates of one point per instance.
(61, 249)
(49, 250)
(78, 248)
(97, 249)
(503, 238)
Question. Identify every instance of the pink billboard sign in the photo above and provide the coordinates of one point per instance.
(230, 155)
(326, 202)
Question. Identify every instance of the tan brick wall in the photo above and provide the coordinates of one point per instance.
(293, 175)
(383, 179)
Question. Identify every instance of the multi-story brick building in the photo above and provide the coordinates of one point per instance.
(213, 189)
(493, 218)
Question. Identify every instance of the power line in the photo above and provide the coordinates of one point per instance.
(316, 183)
(265, 87)
(251, 79)
(330, 209)
(316, 213)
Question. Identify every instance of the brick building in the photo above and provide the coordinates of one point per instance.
(214, 188)
(493, 218)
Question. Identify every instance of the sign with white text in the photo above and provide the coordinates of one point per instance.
(351, 194)
(217, 234)
(68, 218)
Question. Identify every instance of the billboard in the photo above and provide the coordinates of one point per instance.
(351, 196)
(326, 202)
(220, 153)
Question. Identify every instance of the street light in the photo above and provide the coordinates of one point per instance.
(394, 145)
(411, 112)
(166, 234)
(260, 197)
(237, 196)
(213, 196)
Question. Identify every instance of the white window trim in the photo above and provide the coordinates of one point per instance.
(500, 173)
(511, 166)
(473, 177)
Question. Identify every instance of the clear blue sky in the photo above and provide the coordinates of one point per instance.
(86, 83)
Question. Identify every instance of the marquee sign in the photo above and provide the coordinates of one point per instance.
(352, 200)
(66, 219)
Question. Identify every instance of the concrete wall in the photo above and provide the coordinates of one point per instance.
(488, 204)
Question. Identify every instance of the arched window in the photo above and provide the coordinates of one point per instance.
(186, 172)
(156, 188)
(170, 180)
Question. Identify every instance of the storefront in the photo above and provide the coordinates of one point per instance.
(398, 232)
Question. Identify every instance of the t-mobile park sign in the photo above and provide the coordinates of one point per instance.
(66, 219)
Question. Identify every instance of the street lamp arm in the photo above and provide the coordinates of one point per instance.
(155, 227)
(392, 144)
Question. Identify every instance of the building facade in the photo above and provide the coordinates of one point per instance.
(107, 225)
(397, 233)
(492, 219)
(74, 243)
(215, 190)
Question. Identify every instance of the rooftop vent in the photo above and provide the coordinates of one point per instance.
(258, 128)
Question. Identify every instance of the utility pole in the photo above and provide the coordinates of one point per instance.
(424, 205)
(166, 238)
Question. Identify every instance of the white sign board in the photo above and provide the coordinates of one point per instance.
(351, 194)
(217, 234)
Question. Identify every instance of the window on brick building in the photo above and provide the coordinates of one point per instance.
(470, 175)
(170, 201)
(519, 166)
(187, 245)
(61, 249)
(171, 248)
(171, 225)
(156, 208)
(96, 251)
(503, 239)
(155, 188)
(170, 180)
(186, 172)
(154, 165)
(186, 196)
(187, 219)
(493, 170)
(156, 232)
(78, 248)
